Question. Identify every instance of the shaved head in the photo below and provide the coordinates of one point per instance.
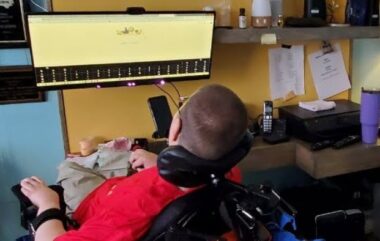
(214, 121)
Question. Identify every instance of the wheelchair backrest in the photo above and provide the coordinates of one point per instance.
(197, 209)
(214, 210)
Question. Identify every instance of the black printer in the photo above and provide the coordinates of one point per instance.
(332, 124)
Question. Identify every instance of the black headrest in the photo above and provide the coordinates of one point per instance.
(182, 168)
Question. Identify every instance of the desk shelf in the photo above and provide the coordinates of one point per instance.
(318, 164)
(263, 156)
(330, 162)
(285, 35)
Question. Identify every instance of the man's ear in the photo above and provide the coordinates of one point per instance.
(175, 130)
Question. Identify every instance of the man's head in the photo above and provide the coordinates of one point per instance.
(212, 122)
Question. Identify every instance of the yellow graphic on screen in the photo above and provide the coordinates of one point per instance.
(129, 31)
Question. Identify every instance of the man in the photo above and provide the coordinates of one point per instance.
(209, 125)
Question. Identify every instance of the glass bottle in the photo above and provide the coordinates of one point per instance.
(242, 19)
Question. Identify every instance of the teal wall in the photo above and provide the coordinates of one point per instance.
(365, 65)
(31, 143)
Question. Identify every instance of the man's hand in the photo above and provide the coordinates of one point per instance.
(39, 194)
(142, 159)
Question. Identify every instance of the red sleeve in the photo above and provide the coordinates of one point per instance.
(117, 224)
(125, 211)
(97, 231)
(230, 236)
(234, 175)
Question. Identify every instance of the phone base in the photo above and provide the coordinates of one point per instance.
(274, 139)
(278, 133)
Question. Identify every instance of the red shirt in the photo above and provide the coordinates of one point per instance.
(122, 209)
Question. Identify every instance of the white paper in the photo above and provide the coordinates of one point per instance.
(329, 74)
(286, 71)
(300, 70)
(317, 105)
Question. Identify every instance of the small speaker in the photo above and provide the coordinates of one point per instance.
(315, 9)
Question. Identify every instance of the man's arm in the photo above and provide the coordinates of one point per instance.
(142, 159)
(49, 230)
(44, 198)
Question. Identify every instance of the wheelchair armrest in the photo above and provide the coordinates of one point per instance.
(28, 211)
(24, 201)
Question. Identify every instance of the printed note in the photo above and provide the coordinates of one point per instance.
(329, 73)
(286, 71)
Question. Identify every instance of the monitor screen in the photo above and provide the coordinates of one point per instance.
(77, 50)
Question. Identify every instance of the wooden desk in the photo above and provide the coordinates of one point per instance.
(319, 164)
(330, 162)
(263, 156)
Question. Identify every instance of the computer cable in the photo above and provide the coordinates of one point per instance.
(170, 96)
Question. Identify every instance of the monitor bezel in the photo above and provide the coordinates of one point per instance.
(153, 81)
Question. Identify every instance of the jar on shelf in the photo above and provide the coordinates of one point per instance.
(261, 14)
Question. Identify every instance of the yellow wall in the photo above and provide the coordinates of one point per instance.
(114, 112)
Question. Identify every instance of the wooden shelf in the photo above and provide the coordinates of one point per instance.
(318, 164)
(330, 162)
(263, 156)
(284, 35)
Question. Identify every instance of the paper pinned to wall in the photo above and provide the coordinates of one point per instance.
(329, 73)
(286, 72)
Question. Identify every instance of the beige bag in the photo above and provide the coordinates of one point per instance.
(78, 181)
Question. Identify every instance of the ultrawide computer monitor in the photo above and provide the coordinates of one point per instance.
(77, 50)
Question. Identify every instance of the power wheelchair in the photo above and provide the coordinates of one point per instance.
(253, 213)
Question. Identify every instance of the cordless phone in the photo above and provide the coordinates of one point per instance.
(267, 117)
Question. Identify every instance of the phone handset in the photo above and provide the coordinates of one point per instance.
(267, 117)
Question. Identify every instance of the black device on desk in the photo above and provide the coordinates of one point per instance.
(335, 144)
(349, 140)
(273, 130)
(334, 124)
(315, 9)
(161, 114)
(267, 117)
(278, 133)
